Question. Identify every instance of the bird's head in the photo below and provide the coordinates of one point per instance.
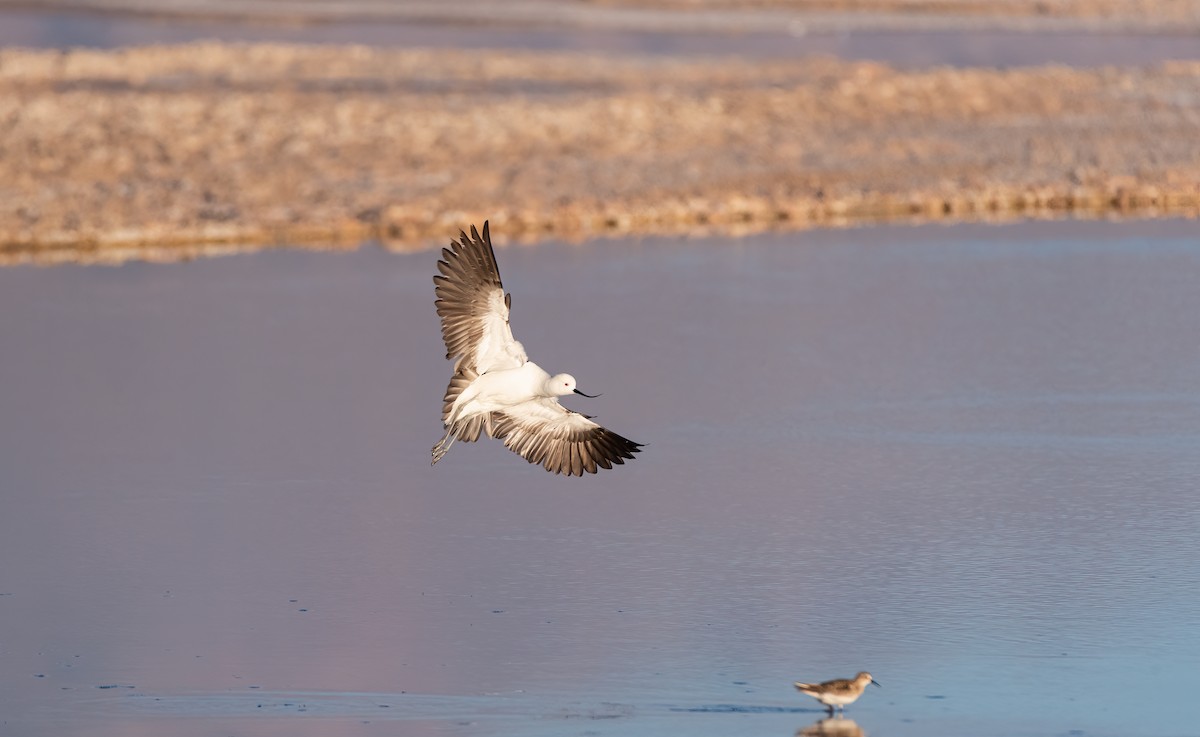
(562, 384)
(864, 678)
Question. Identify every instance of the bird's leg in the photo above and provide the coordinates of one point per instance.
(443, 445)
(439, 451)
(829, 709)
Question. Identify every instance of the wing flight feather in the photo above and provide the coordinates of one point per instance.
(474, 307)
(544, 432)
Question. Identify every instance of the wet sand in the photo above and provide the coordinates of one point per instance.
(105, 154)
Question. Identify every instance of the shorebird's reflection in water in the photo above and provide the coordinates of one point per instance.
(832, 727)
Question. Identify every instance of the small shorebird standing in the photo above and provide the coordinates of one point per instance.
(496, 389)
(839, 692)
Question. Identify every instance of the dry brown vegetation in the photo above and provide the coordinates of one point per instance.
(104, 151)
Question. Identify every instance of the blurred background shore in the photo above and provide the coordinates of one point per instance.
(163, 130)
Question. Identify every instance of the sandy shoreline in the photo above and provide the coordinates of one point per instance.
(105, 154)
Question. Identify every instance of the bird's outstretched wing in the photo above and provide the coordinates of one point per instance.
(835, 686)
(543, 431)
(474, 307)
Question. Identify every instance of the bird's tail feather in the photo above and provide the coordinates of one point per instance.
(470, 430)
(460, 381)
(466, 430)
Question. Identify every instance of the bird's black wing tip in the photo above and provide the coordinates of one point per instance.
(485, 238)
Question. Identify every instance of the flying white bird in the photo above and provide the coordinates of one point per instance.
(496, 389)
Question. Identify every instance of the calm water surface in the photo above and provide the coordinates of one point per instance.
(962, 458)
(995, 48)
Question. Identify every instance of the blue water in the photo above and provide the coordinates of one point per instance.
(62, 29)
(962, 458)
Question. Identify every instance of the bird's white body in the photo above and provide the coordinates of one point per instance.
(830, 699)
(500, 389)
(496, 390)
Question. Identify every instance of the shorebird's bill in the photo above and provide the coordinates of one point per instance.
(589, 396)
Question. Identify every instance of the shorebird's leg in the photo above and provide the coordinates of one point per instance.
(440, 450)
(443, 445)
(829, 708)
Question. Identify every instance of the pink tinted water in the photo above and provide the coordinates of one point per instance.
(962, 458)
(993, 48)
